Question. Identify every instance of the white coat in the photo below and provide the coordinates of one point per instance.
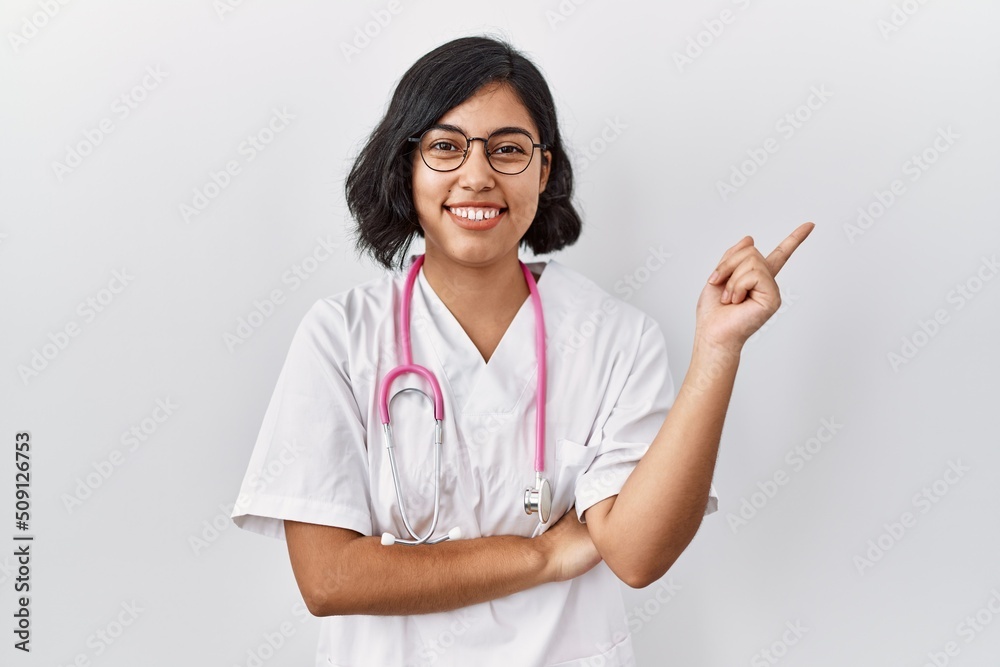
(320, 457)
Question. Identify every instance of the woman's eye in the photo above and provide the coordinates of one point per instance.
(443, 146)
(508, 150)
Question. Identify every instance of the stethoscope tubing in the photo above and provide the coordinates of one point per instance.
(438, 399)
(541, 355)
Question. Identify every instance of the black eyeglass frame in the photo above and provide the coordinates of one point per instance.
(468, 146)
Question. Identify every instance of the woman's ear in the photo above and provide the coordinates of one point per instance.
(543, 178)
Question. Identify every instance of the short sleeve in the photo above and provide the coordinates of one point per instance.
(310, 460)
(634, 420)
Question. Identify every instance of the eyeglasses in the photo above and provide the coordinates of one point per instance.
(508, 151)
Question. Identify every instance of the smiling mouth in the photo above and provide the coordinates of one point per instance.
(474, 214)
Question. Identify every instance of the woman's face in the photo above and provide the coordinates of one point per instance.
(451, 238)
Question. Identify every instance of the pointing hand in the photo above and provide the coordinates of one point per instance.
(741, 294)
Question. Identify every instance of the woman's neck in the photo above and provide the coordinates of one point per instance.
(483, 299)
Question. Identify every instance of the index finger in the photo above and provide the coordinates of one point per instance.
(780, 255)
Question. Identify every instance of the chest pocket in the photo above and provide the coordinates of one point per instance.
(572, 460)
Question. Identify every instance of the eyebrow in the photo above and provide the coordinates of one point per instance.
(509, 128)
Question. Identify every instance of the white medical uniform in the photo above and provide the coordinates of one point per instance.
(320, 457)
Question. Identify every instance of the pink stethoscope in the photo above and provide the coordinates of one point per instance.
(537, 499)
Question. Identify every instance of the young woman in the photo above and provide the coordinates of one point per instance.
(564, 467)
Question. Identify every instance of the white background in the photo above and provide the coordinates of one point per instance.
(850, 301)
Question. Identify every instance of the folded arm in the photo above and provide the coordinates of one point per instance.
(340, 572)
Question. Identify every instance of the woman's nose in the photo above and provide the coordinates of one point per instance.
(476, 171)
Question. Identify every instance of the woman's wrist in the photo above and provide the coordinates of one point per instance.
(709, 348)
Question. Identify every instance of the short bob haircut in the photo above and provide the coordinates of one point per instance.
(379, 186)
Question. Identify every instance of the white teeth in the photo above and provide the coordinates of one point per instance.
(475, 213)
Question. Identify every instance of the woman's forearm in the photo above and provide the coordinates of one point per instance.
(361, 576)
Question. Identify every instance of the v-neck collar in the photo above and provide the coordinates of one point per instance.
(478, 386)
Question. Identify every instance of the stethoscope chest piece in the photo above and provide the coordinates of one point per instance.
(539, 499)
